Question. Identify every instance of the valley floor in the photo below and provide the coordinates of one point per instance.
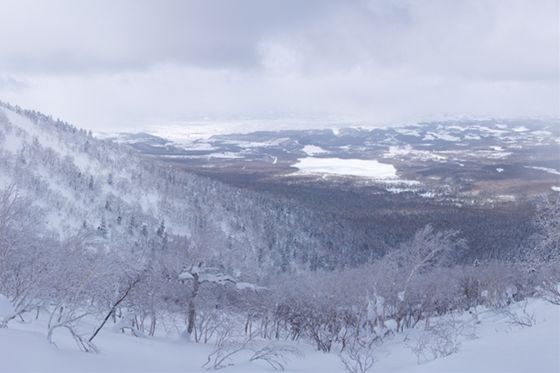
(498, 346)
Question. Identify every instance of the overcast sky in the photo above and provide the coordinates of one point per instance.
(132, 64)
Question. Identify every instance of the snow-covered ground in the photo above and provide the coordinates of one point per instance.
(545, 169)
(313, 150)
(497, 346)
(351, 167)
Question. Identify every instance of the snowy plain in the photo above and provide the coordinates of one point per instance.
(497, 345)
(350, 167)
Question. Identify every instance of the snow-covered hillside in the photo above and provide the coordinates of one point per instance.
(80, 182)
(126, 263)
(495, 345)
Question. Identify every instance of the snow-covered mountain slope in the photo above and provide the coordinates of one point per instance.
(80, 182)
(496, 346)
(69, 173)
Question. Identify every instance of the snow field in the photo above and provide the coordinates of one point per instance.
(496, 346)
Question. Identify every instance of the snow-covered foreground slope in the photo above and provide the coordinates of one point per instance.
(499, 346)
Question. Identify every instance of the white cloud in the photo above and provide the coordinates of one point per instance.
(122, 64)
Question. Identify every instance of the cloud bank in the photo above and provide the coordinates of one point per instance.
(131, 64)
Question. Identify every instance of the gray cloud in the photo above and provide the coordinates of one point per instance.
(114, 35)
(122, 63)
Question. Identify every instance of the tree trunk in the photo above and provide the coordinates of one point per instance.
(191, 318)
(114, 308)
(153, 325)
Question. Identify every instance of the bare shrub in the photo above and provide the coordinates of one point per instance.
(207, 323)
(523, 318)
(275, 355)
(227, 345)
(549, 283)
(358, 357)
(66, 318)
(442, 338)
(550, 291)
